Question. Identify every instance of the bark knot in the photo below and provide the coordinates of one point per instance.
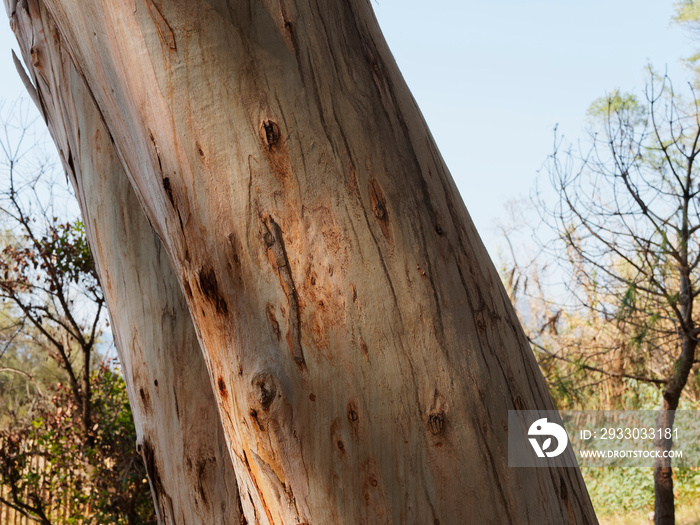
(379, 209)
(436, 423)
(271, 132)
(352, 414)
(265, 389)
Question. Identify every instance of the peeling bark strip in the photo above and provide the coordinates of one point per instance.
(28, 84)
(274, 241)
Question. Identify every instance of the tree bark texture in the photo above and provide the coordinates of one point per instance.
(179, 434)
(360, 345)
(664, 507)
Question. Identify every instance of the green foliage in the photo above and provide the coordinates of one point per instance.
(44, 458)
(25, 371)
(119, 476)
(625, 106)
(67, 247)
(618, 491)
(687, 14)
(63, 443)
(48, 261)
(621, 489)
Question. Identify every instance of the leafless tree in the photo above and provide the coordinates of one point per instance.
(627, 223)
(46, 271)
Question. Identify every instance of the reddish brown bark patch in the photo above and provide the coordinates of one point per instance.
(201, 478)
(145, 399)
(234, 263)
(275, 150)
(288, 26)
(222, 387)
(165, 32)
(209, 287)
(518, 402)
(364, 349)
(273, 321)
(277, 255)
(254, 416)
(161, 496)
(186, 287)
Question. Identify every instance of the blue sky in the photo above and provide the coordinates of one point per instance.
(494, 78)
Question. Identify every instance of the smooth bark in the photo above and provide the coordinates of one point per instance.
(363, 352)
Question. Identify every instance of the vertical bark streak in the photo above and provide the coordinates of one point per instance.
(274, 241)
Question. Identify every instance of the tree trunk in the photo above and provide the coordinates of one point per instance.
(179, 434)
(363, 352)
(664, 505)
(664, 508)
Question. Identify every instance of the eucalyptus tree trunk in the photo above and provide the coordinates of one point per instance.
(362, 350)
(179, 434)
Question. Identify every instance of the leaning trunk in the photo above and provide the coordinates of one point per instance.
(363, 352)
(179, 434)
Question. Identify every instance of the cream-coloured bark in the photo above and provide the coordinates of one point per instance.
(362, 350)
(180, 437)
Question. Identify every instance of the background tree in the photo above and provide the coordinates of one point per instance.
(687, 14)
(627, 222)
(46, 271)
(590, 361)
